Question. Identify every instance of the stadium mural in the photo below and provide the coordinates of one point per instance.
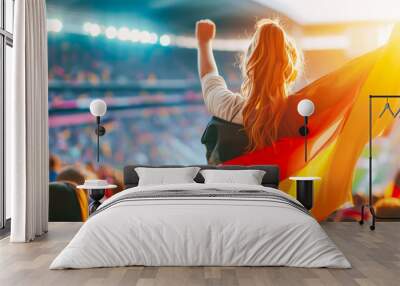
(157, 114)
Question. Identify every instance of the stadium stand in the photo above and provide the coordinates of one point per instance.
(156, 114)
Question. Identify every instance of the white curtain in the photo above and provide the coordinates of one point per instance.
(27, 124)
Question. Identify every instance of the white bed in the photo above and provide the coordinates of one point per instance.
(185, 230)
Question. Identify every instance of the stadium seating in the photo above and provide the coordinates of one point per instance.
(154, 125)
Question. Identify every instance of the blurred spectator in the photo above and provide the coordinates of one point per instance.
(90, 167)
(77, 175)
(54, 167)
(388, 207)
(71, 175)
(396, 186)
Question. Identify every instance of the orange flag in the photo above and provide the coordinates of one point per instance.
(338, 128)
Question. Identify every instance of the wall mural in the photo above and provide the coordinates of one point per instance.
(156, 114)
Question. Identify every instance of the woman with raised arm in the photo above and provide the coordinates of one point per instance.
(269, 68)
(267, 113)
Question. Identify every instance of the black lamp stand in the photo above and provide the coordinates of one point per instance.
(100, 131)
(370, 204)
(97, 194)
(304, 131)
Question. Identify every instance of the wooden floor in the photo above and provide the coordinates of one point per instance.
(375, 257)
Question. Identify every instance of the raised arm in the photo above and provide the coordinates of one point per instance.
(205, 33)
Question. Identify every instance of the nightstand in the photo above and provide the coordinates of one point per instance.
(304, 190)
(96, 190)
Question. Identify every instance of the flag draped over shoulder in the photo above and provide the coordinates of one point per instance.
(338, 128)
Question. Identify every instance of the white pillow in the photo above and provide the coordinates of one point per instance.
(166, 176)
(248, 177)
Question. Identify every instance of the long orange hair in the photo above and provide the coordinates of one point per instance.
(269, 67)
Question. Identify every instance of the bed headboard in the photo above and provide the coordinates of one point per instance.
(271, 177)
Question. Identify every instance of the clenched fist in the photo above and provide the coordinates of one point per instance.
(205, 31)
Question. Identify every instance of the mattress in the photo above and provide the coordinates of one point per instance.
(201, 225)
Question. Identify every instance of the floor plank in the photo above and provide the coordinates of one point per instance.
(375, 257)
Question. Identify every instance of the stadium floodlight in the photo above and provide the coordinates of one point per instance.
(54, 25)
(86, 27)
(186, 42)
(111, 32)
(134, 35)
(144, 37)
(94, 30)
(165, 40)
(123, 34)
(153, 38)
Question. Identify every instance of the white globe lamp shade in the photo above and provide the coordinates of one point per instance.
(98, 107)
(305, 107)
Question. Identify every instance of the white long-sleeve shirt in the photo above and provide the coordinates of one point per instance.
(220, 101)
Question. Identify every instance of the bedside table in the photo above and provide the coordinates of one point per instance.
(304, 190)
(96, 189)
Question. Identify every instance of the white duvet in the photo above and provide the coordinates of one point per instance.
(200, 231)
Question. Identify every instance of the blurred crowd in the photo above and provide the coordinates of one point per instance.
(167, 135)
(169, 132)
(78, 59)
